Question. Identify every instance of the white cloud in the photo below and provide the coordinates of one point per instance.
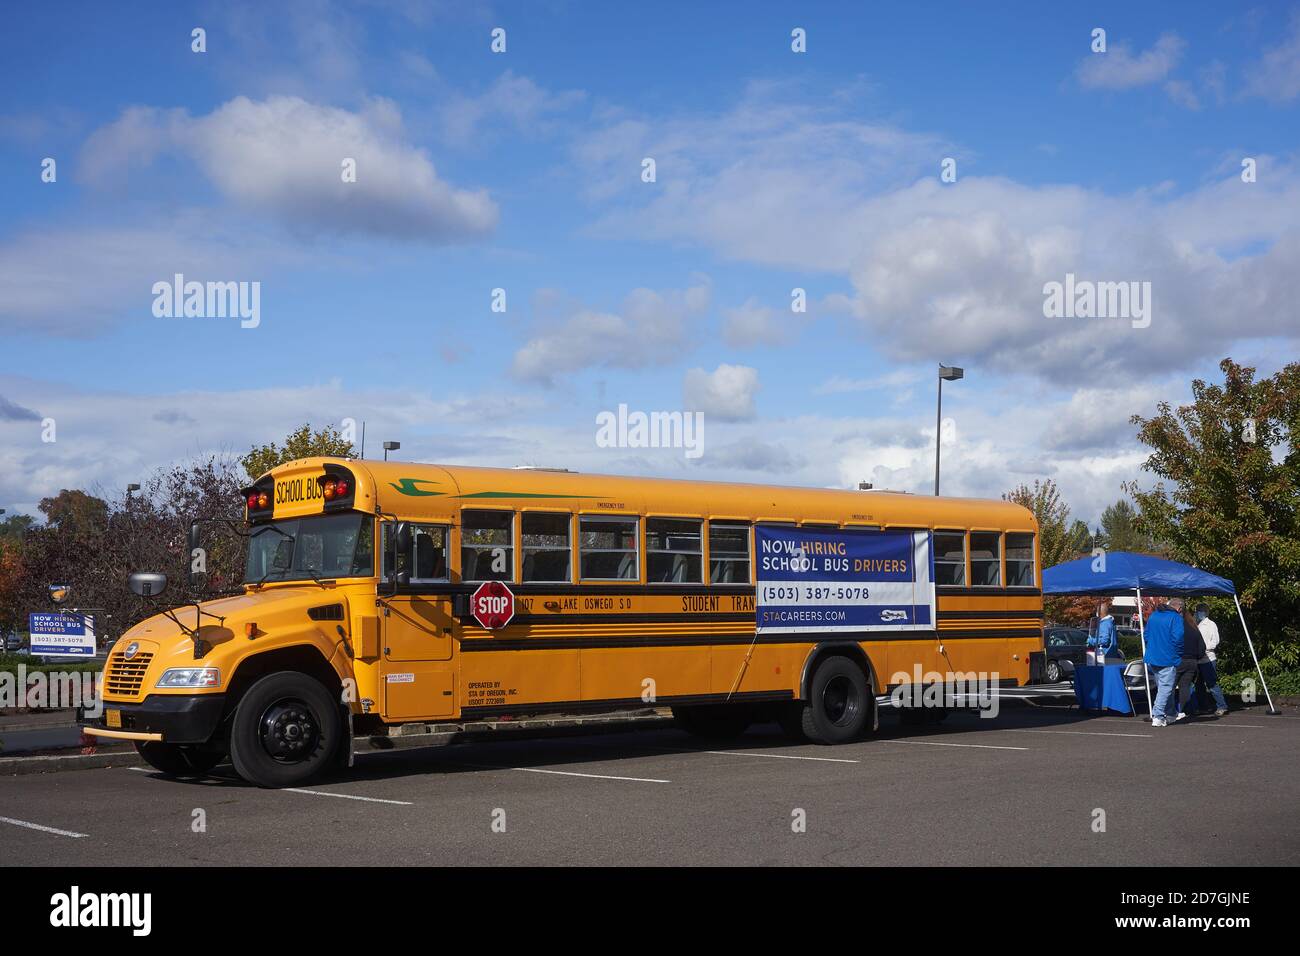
(754, 324)
(13, 412)
(772, 181)
(726, 393)
(1276, 75)
(66, 281)
(1120, 69)
(1098, 419)
(962, 264)
(105, 439)
(899, 379)
(283, 156)
(1182, 94)
(966, 266)
(515, 99)
(650, 329)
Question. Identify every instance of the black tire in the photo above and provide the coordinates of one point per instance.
(177, 760)
(1052, 672)
(285, 730)
(718, 722)
(838, 708)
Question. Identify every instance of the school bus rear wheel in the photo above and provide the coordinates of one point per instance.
(838, 706)
(284, 730)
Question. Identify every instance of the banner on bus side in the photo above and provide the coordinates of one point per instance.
(849, 579)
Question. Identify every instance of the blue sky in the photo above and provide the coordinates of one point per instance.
(521, 170)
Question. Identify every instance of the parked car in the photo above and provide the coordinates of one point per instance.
(13, 641)
(1066, 647)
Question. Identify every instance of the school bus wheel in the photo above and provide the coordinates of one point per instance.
(718, 721)
(838, 706)
(178, 760)
(285, 730)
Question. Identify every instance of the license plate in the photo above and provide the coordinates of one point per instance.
(113, 718)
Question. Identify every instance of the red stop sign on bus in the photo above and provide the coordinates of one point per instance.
(493, 605)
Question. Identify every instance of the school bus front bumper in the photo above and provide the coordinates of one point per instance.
(171, 718)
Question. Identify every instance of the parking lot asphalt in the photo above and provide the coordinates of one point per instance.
(1031, 786)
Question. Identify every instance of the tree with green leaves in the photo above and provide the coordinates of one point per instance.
(1227, 499)
(1058, 539)
(302, 443)
(13, 527)
(1079, 540)
(1119, 531)
(75, 511)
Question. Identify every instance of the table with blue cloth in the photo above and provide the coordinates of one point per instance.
(1102, 688)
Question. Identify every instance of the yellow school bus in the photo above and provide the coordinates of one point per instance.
(379, 593)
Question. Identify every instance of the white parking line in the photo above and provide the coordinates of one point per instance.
(37, 826)
(348, 796)
(935, 743)
(1076, 733)
(1206, 723)
(570, 773)
(745, 753)
(316, 793)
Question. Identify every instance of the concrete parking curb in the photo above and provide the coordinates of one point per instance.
(19, 766)
(409, 737)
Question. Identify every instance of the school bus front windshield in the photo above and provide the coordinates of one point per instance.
(318, 546)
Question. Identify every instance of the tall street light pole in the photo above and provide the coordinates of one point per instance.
(951, 373)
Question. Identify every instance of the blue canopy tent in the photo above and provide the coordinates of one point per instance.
(1120, 571)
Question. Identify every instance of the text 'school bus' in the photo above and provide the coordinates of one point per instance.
(382, 593)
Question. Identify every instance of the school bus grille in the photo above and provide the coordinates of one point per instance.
(123, 678)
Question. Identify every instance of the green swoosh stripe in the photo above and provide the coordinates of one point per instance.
(407, 486)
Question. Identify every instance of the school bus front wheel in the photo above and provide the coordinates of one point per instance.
(178, 760)
(285, 730)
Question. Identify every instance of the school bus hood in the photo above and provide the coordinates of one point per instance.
(274, 611)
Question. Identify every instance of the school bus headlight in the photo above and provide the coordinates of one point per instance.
(190, 677)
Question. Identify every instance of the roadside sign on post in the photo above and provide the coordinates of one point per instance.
(59, 634)
(493, 605)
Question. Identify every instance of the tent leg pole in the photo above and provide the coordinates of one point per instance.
(1251, 644)
(1146, 675)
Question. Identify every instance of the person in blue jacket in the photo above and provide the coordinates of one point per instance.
(1106, 641)
(1164, 638)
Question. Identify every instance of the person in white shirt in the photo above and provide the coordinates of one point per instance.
(1209, 674)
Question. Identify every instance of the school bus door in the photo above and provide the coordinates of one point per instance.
(417, 631)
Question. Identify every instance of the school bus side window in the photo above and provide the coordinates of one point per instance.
(427, 559)
(986, 558)
(1020, 559)
(950, 557)
(673, 551)
(544, 539)
(607, 549)
(728, 553)
(487, 551)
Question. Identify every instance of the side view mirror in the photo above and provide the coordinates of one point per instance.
(402, 544)
(148, 583)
